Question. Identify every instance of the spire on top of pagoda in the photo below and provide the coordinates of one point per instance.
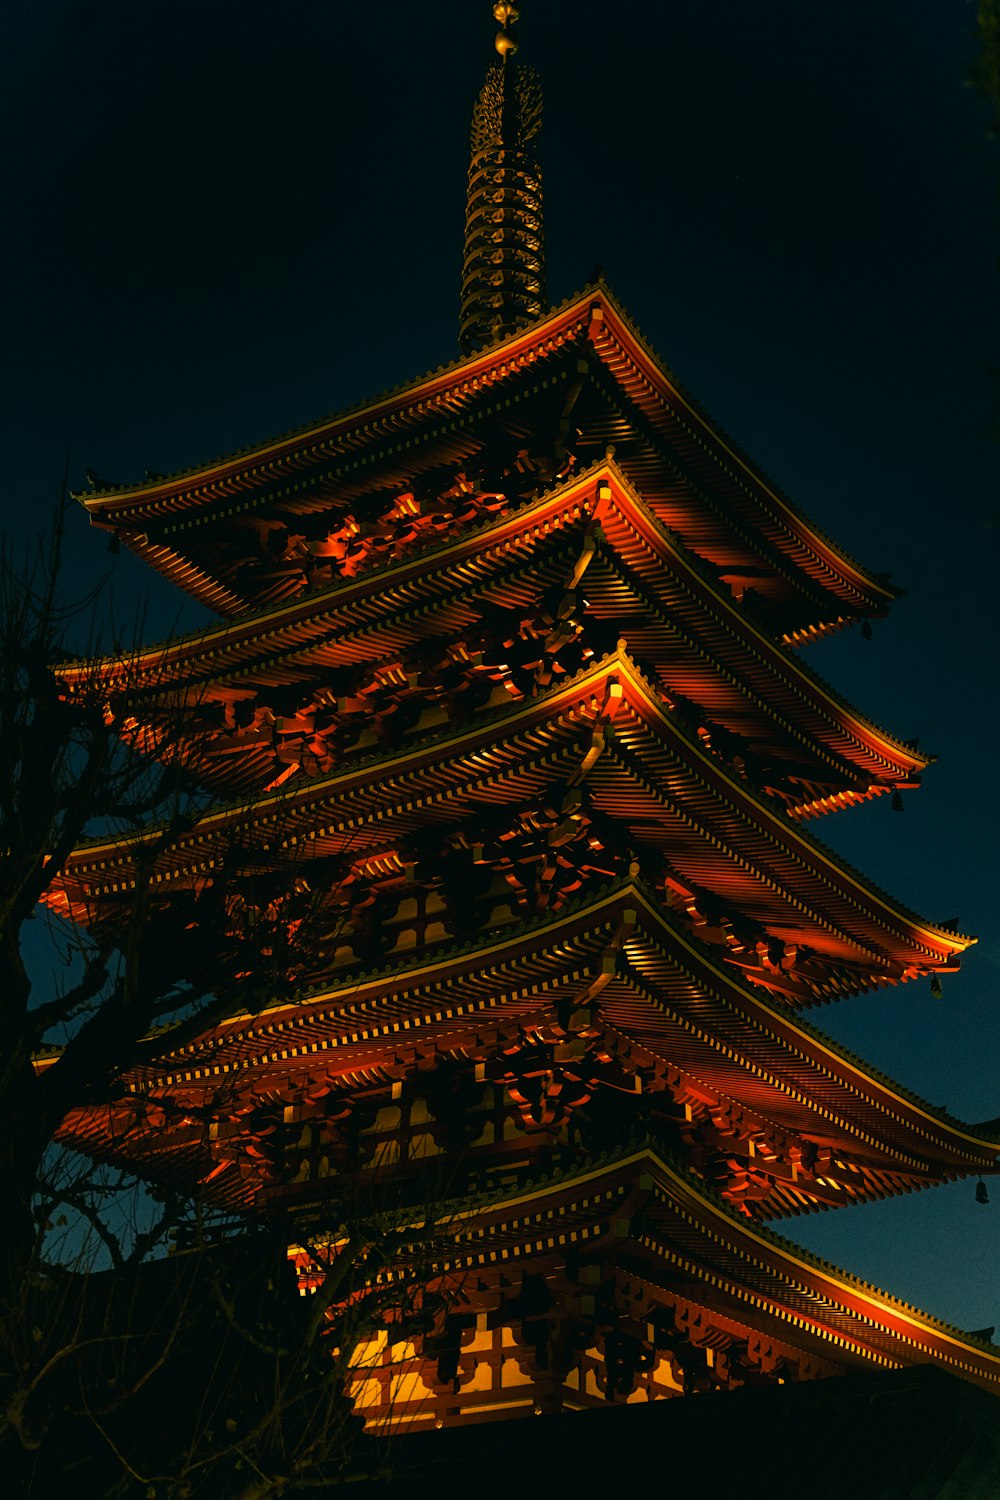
(503, 275)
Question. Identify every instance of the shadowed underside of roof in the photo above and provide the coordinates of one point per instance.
(582, 367)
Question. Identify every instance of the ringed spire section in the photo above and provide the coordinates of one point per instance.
(503, 276)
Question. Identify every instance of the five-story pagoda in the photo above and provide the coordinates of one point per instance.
(505, 689)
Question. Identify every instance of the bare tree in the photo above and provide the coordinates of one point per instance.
(101, 1333)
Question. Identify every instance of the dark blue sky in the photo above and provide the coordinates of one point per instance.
(227, 219)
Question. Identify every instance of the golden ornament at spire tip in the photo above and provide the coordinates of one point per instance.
(507, 15)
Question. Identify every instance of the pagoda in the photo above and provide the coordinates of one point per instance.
(505, 685)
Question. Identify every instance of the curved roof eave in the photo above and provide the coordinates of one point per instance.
(105, 506)
(413, 972)
(862, 727)
(765, 811)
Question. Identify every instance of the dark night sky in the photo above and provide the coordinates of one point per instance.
(225, 219)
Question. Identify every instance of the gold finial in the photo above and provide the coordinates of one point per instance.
(507, 15)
